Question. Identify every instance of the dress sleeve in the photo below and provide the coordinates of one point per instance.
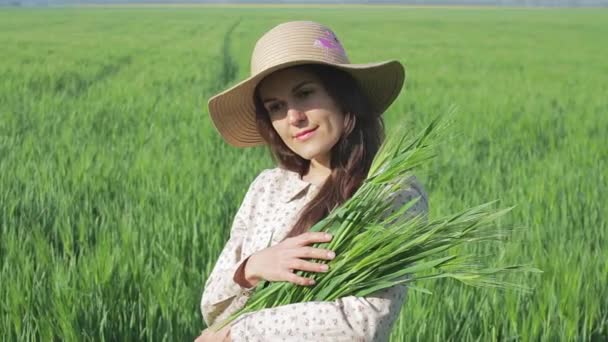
(221, 292)
(350, 318)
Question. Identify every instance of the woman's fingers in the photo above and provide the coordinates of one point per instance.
(309, 266)
(204, 336)
(208, 335)
(311, 237)
(315, 253)
(304, 266)
(225, 333)
(277, 262)
(296, 279)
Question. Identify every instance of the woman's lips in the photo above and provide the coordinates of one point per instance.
(306, 134)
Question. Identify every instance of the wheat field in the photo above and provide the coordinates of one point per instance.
(117, 194)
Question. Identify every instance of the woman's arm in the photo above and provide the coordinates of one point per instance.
(349, 318)
(222, 292)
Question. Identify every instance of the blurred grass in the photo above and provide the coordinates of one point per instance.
(117, 194)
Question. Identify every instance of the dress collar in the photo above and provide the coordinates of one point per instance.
(291, 185)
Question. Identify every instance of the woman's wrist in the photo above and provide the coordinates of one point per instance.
(243, 275)
(248, 272)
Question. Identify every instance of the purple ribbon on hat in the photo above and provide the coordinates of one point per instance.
(329, 41)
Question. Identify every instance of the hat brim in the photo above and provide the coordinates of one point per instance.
(233, 111)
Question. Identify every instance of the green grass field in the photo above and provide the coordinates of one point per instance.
(117, 194)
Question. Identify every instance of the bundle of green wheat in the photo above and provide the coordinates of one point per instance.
(376, 251)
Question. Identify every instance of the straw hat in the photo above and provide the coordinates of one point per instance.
(290, 44)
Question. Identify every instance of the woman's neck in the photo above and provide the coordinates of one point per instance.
(317, 172)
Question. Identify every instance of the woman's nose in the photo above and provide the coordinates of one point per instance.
(295, 115)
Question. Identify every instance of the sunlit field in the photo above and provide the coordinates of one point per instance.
(117, 194)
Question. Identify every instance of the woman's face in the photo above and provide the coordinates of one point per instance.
(304, 115)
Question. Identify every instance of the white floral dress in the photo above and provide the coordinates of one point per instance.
(270, 208)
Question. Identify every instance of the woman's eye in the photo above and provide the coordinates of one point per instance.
(274, 108)
(304, 93)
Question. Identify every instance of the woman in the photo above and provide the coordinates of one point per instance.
(321, 117)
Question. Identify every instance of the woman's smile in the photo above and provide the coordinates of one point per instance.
(305, 134)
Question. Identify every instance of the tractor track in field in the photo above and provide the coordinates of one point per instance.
(76, 84)
(229, 68)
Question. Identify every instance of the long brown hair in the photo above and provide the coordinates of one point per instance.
(351, 156)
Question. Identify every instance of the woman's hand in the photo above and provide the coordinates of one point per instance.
(208, 335)
(277, 263)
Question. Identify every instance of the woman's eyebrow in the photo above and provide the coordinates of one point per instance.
(300, 85)
(293, 90)
(268, 100)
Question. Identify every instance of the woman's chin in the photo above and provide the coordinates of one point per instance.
(306, 153)
(310, 150)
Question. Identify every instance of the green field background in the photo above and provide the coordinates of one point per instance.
(117, 194)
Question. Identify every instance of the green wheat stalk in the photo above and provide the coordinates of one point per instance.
(375, 251)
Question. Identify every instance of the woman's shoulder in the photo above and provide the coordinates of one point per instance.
(270, 176)
(413, 184)
(409, 188)
(280, 183)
